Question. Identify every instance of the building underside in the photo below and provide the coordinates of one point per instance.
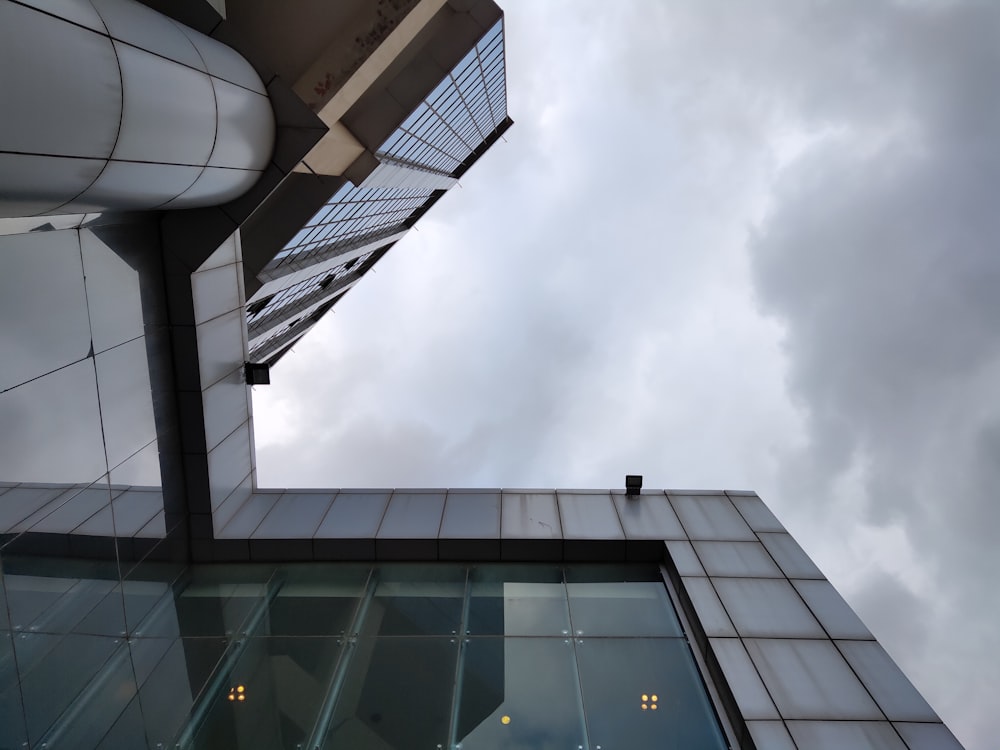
(182, 197)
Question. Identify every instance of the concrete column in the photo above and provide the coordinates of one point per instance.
(109, 105)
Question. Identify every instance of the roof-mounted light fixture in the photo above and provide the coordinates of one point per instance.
(257, 373)
(633, 483)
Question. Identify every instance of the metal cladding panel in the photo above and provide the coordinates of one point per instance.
(412, 515)
(73, 109)
(295, 515)
(749, 691)
(248, 517)
(833, 613)
(229, 464)
(471, 515)
(530, 515)
(810, 680)
(794, 562)
(648, 516)
(895, 695)
(589, 516)
(736, 559)
(767, 608)
(354, 515)
(838, 735)
(712, 615)
(771, 735)
(711, 517)
(756, 513)
(684, 558)
(920, 736)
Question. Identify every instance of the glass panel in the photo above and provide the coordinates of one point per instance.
(622, 608)
(84, 597)
(216, 601)
(13, 732)
(645, 693)
(97, 706)
(517, 600)
(519, 693)
(55, 670)
(382, 706)
(171, 674)
(416, 600)
(317, 600)
(277, 689)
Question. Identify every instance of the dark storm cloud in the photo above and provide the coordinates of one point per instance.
(880, 257)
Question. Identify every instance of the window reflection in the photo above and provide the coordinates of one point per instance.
(349, 655)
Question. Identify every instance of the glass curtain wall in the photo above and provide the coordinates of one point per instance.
(347, 656)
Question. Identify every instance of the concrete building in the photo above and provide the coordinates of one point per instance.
(181, 196)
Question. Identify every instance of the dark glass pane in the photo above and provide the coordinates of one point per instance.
(517, 600)
(212, 602)
(97, 706)
(171, 674)
(624, 678)
(61, 667)
(12, 729)
(397, 694)
(519, 694)
(316, 600)
(623, 608)
(416, 600)
(283, 682)
(50, 595)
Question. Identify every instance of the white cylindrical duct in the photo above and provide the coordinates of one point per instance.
(109, 105)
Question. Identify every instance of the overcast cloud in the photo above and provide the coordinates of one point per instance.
(725, 245)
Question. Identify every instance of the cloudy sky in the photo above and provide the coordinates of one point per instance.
(725, 245)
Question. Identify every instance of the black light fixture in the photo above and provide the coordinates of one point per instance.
(633, 483)
(257, 373)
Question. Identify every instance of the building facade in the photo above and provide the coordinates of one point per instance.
(181, 196)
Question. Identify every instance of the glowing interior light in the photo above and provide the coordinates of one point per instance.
(654, 699)
(232, 697)
(653, 707)
(645, 697)
(644, 706)
(240, 689)
(505, 719)
(242, 697)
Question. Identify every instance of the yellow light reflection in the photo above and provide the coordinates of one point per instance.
(505, 719)
(653, 707)
(654, 699)
(645, 697)
(644, 706)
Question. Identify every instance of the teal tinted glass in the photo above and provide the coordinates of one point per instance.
(645, 694)
(348, 656)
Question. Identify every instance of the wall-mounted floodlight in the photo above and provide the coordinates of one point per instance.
(633, 483)
(257, 373)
